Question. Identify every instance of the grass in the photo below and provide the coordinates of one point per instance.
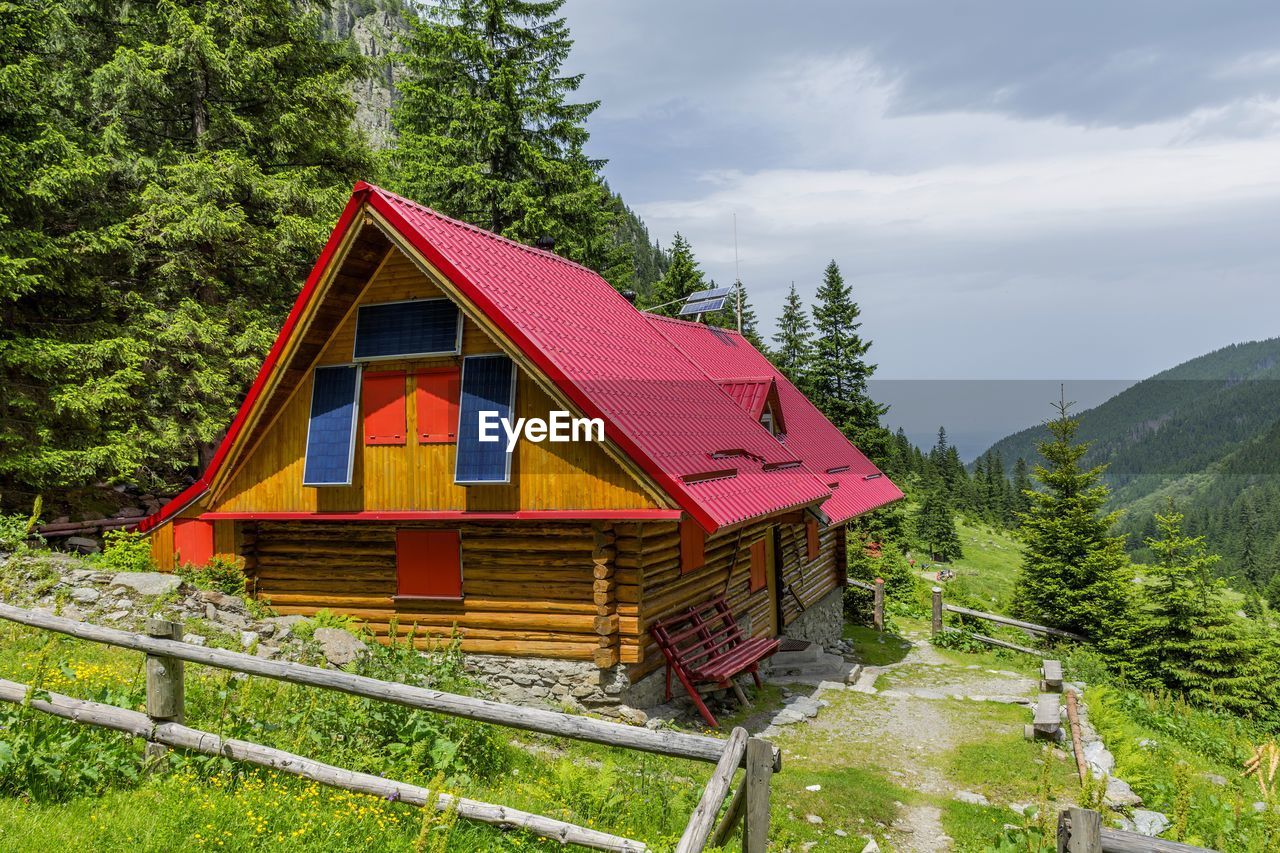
(875, 648)
(989, 567)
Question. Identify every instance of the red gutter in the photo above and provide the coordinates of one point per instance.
(454, 515)
(586, 405)
(200, 486)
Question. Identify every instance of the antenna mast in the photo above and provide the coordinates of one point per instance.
(737, 273)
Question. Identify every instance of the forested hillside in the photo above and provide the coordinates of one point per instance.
(1205, 434)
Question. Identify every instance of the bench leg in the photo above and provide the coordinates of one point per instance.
(755, 674)
(697, 699)
(737, 691)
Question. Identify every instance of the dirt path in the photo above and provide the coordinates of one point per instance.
(905, 720)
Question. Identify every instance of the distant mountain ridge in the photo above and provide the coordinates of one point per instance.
(1205, 433)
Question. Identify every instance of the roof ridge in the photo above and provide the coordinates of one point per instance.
(476, 229)
(678, 321)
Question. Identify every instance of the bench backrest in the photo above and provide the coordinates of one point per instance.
(701, 633)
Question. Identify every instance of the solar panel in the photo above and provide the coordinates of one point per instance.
(488, 385)
(713, 293)
(331, 435)
(703, 306)
(400, 329)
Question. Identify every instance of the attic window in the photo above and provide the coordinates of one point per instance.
(408, 329)
(766, 420)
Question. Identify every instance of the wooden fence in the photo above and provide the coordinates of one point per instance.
(939, 607)
(161, 726)
(877, 600)
(1081, 831)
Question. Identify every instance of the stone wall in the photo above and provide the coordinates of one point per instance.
(560, 685)
(822, 622)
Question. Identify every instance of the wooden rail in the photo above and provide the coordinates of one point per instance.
(162, 726)
(1081, 831)
(877, 600)
(939, 607)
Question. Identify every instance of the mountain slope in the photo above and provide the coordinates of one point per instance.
(1205, 433)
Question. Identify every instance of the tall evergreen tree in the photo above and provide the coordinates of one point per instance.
(1021, 501)
(1190, 641)
(489, 133)
(682, 278)
(838, 369)
(1074, 574)
(935, 527)
(189, 159)
(792, 342)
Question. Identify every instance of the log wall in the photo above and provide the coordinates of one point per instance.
(652, 551)
(528, 590)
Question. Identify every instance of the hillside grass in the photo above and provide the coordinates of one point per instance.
(989, 568)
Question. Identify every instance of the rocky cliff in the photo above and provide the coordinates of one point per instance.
(375, 26)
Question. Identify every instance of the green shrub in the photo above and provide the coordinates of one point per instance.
(17, 530)
(222, 572)
(326, 618)
(125, 551)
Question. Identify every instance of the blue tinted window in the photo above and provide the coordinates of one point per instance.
(420, 327)
(332, 433)
(488, 385)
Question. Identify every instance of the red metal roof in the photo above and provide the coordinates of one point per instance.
(750, 394)
(727, 358)
(658, 402)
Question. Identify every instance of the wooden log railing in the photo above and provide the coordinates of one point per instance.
(162, 727)
(877, 600)
(1081, 831)
(940, 607)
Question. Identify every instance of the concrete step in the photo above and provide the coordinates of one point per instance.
(820, 664)
(808, 655)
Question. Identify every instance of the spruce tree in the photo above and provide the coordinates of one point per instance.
(193, 159)
(489, 131)
(1190, 641)
(838, 368)
(935, 527)
(682, 278)
(1021, 501)
(1075, 575)
(792, 342)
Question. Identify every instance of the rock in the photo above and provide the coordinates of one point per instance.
(1120, 794)
(807, 846)
(971, 798)
(79, 575)
(1099, 758)
(147, 584)
(634, 716)
(840, 833)
(265, 651)
(221, 600)
(234, 620)
(248, 638)
(193, 639)
(339, 647)
(786, 717)
(1215, 778)
(813, 819)
(831, 685)
(118, 615)
(83, 544)
(85, 595)
(129, 512)
(1259, 806)
(1019, 808)
(813, 787)
(871, 847)
(1149, 823)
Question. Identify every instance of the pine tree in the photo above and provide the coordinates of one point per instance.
(792, 346)
(838, 369)
(1190, 641)
(727, 318)
(682, 278)
(1074, 574)
(488, 132)
(193, 159)
(1021, 501)
(935, 527)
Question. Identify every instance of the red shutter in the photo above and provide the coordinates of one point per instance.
(693, 542)
(192, 541)
(428, 563)
(382, 401)
(811, 532)
(437, 401)
(758, 565)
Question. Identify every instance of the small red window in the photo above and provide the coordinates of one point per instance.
(437, 401)
(192, 541)
(759, 579)
(811, 533)
(693, 541)
(428, 564)
(382, 400)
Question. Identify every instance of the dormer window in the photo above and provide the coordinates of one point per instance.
(766, 420)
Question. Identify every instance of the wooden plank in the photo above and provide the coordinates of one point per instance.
(992, 641)
(181, 737)
(660, 742)
(1016, 623)
(703, 819)
(732, 816)
(759, 774)
(1083, 831)
(1048, 712)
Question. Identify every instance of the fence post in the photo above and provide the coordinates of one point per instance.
(878, 612)
(937, 610)
(1085, 834)
(165, 701)
(757, 778)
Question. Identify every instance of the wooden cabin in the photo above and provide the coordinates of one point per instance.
(354, 476)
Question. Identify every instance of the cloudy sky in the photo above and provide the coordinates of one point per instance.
(1077, 191)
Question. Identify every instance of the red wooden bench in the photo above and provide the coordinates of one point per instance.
(705, 645)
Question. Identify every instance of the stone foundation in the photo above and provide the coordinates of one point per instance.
(566, 685)
(822, 622)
